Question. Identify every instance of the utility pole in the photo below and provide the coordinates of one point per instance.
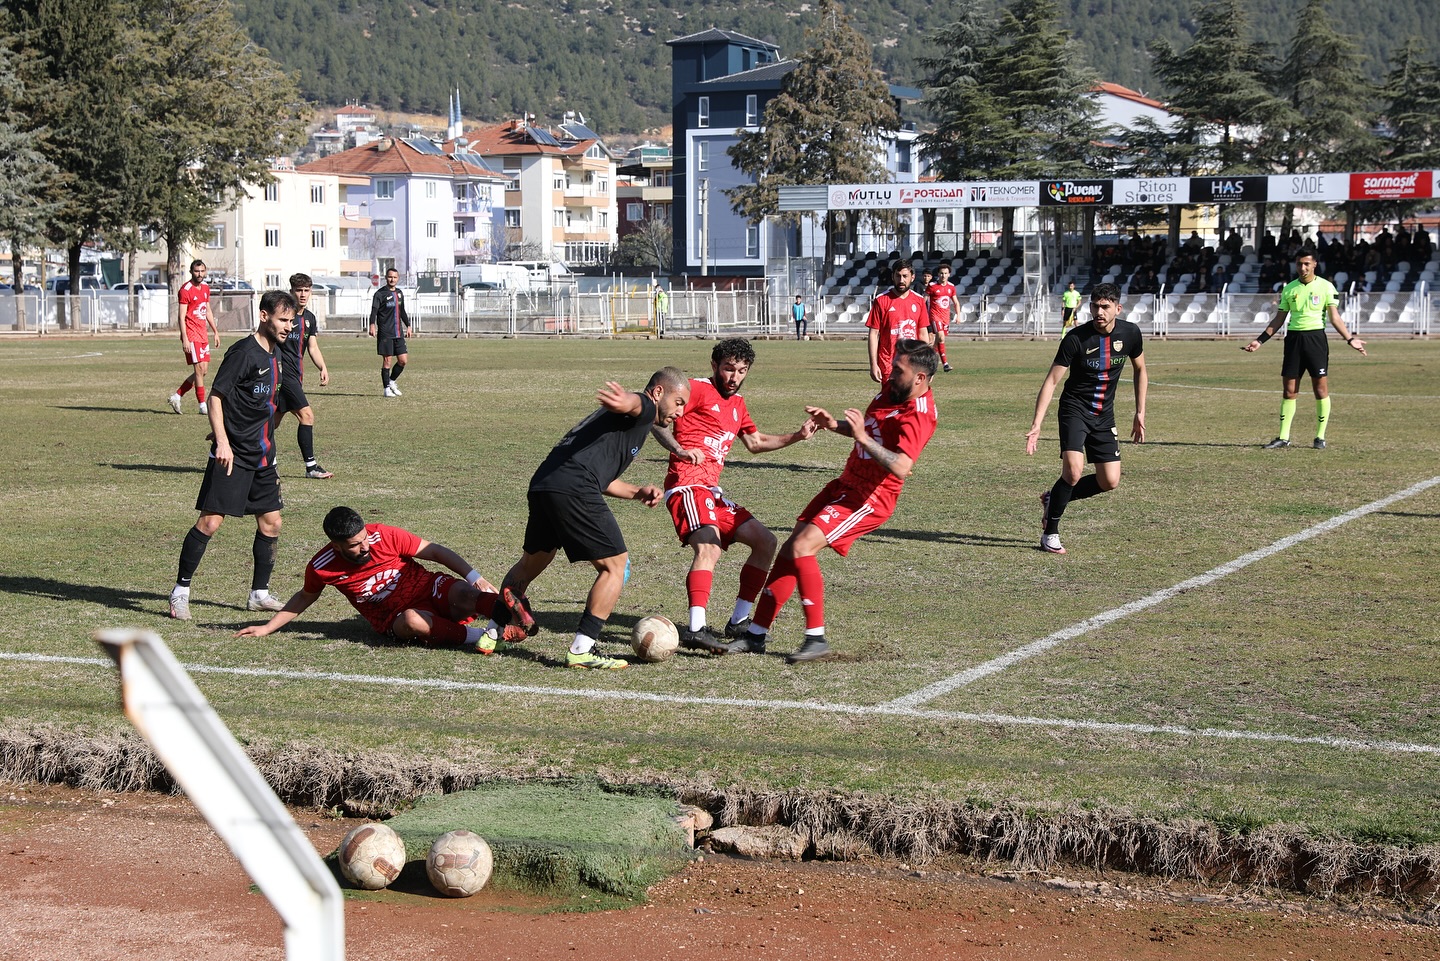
(705, 227)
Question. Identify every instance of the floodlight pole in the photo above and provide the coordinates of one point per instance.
(204, 758)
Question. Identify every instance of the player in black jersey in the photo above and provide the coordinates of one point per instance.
(240, 477)
(1093, 354)
(303, 341)
(567, 508)
(390, 325)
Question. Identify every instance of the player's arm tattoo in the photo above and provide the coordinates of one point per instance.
(666, 438)
(883, 456)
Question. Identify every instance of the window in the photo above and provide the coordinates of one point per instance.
(704, 120)
(512, 218)
(752, 240)
(559, 218)
(272, 281)
(317, 193)
(385, 189)
(384, 229)
(272, 193)
(429, 190)
(752, 110)
(511, 165)
(432, 229)
(702, 155)
(604, 220)
(602, 185)
(661, 178)
(432, 264)
(559, 183)
(216, 239)
(634, 212)
(461, 229)
(272, 236)
(317, 237)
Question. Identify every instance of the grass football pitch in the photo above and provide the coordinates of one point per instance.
(1243, 636)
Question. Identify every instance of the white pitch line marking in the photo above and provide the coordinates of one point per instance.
(1252, 390)
(995, 665)
(871, 710)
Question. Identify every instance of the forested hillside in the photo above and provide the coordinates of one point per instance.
(609, 59)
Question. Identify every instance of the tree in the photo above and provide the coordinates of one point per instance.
(215, 109)
(651, 244)
(1412, 114)
(826, 124)
(1219, 86)
(27, 177)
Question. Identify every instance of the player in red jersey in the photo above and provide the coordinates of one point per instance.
(941, 298)
(889, 437)
(194, 337)
(377, 568)
(705, 519)
(898, 314)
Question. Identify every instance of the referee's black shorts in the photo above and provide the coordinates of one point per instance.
(1306, 351)
(578, 520)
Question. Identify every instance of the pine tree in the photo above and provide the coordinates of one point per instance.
(969, 120)
(824, 126)
(27, 177)
(1412, 114)
(1218, 85)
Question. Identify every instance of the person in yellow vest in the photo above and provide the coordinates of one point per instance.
(662, 308)
(1307, 301)
(1069, 303)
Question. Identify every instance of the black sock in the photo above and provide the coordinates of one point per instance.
(590, 625)
(396, 371)
(1089, 486)
(385, 377)
(191, 551)
(263, 550)
(305, 437)
(1059, 499)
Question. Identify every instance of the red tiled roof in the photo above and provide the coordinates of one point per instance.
(399, 158)
(1115, 90)
(510, 138)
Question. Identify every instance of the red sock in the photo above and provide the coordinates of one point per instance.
(778, 588)
(697, 585)
(485, 603)
(185, 388)
(752, 582)
(444, 633)
(812, 591)
(200, 395)
(941, 347)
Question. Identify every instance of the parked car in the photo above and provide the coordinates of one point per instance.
(28, 289)
(61, 285)
(230, 285)
(482, 285)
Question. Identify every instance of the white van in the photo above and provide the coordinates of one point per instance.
(508, 276)
(543, 273)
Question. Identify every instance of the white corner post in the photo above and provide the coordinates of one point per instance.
(203, 756)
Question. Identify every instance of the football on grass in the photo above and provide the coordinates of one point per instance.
(459, 863)
(655, 638)
(371, 856)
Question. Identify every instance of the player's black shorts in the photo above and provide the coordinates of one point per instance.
(292, 396)
(240, 492)
(390, 346)
(1095, 434)
(578, 520)
(1306, 351)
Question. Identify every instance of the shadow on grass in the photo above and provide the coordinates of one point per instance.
(745, 465)
(1408, 515)
(155, 468)
(144, 602)
(164, 412)
(1185, 443)
(949, 537)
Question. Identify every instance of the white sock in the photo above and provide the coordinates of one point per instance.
(581, 644)
(815, 631)
(742, 611)
(180, 589)
(697, 618)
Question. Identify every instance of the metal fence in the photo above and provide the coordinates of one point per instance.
(696, 313)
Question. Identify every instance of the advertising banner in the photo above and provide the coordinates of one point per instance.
(1081, 193)
(1228, 190)
(1309, 188)
(1392, 185)
(1153, 190)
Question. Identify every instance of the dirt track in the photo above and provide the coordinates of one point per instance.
(106, 877)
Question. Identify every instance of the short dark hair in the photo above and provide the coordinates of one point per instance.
(922, 356)
(671, 378)
(1307, 251)
(300, 280)
(1105, 292)
(734, 348)
(343, 523)
(196, 263)
(273, 300)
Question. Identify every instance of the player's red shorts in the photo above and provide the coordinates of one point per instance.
(843, 514)
(940, 324)
(429, 594)
(692, 508)
(197, 352)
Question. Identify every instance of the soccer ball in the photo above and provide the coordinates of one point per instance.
(459, 863)
(655, 638)
(371, 856)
